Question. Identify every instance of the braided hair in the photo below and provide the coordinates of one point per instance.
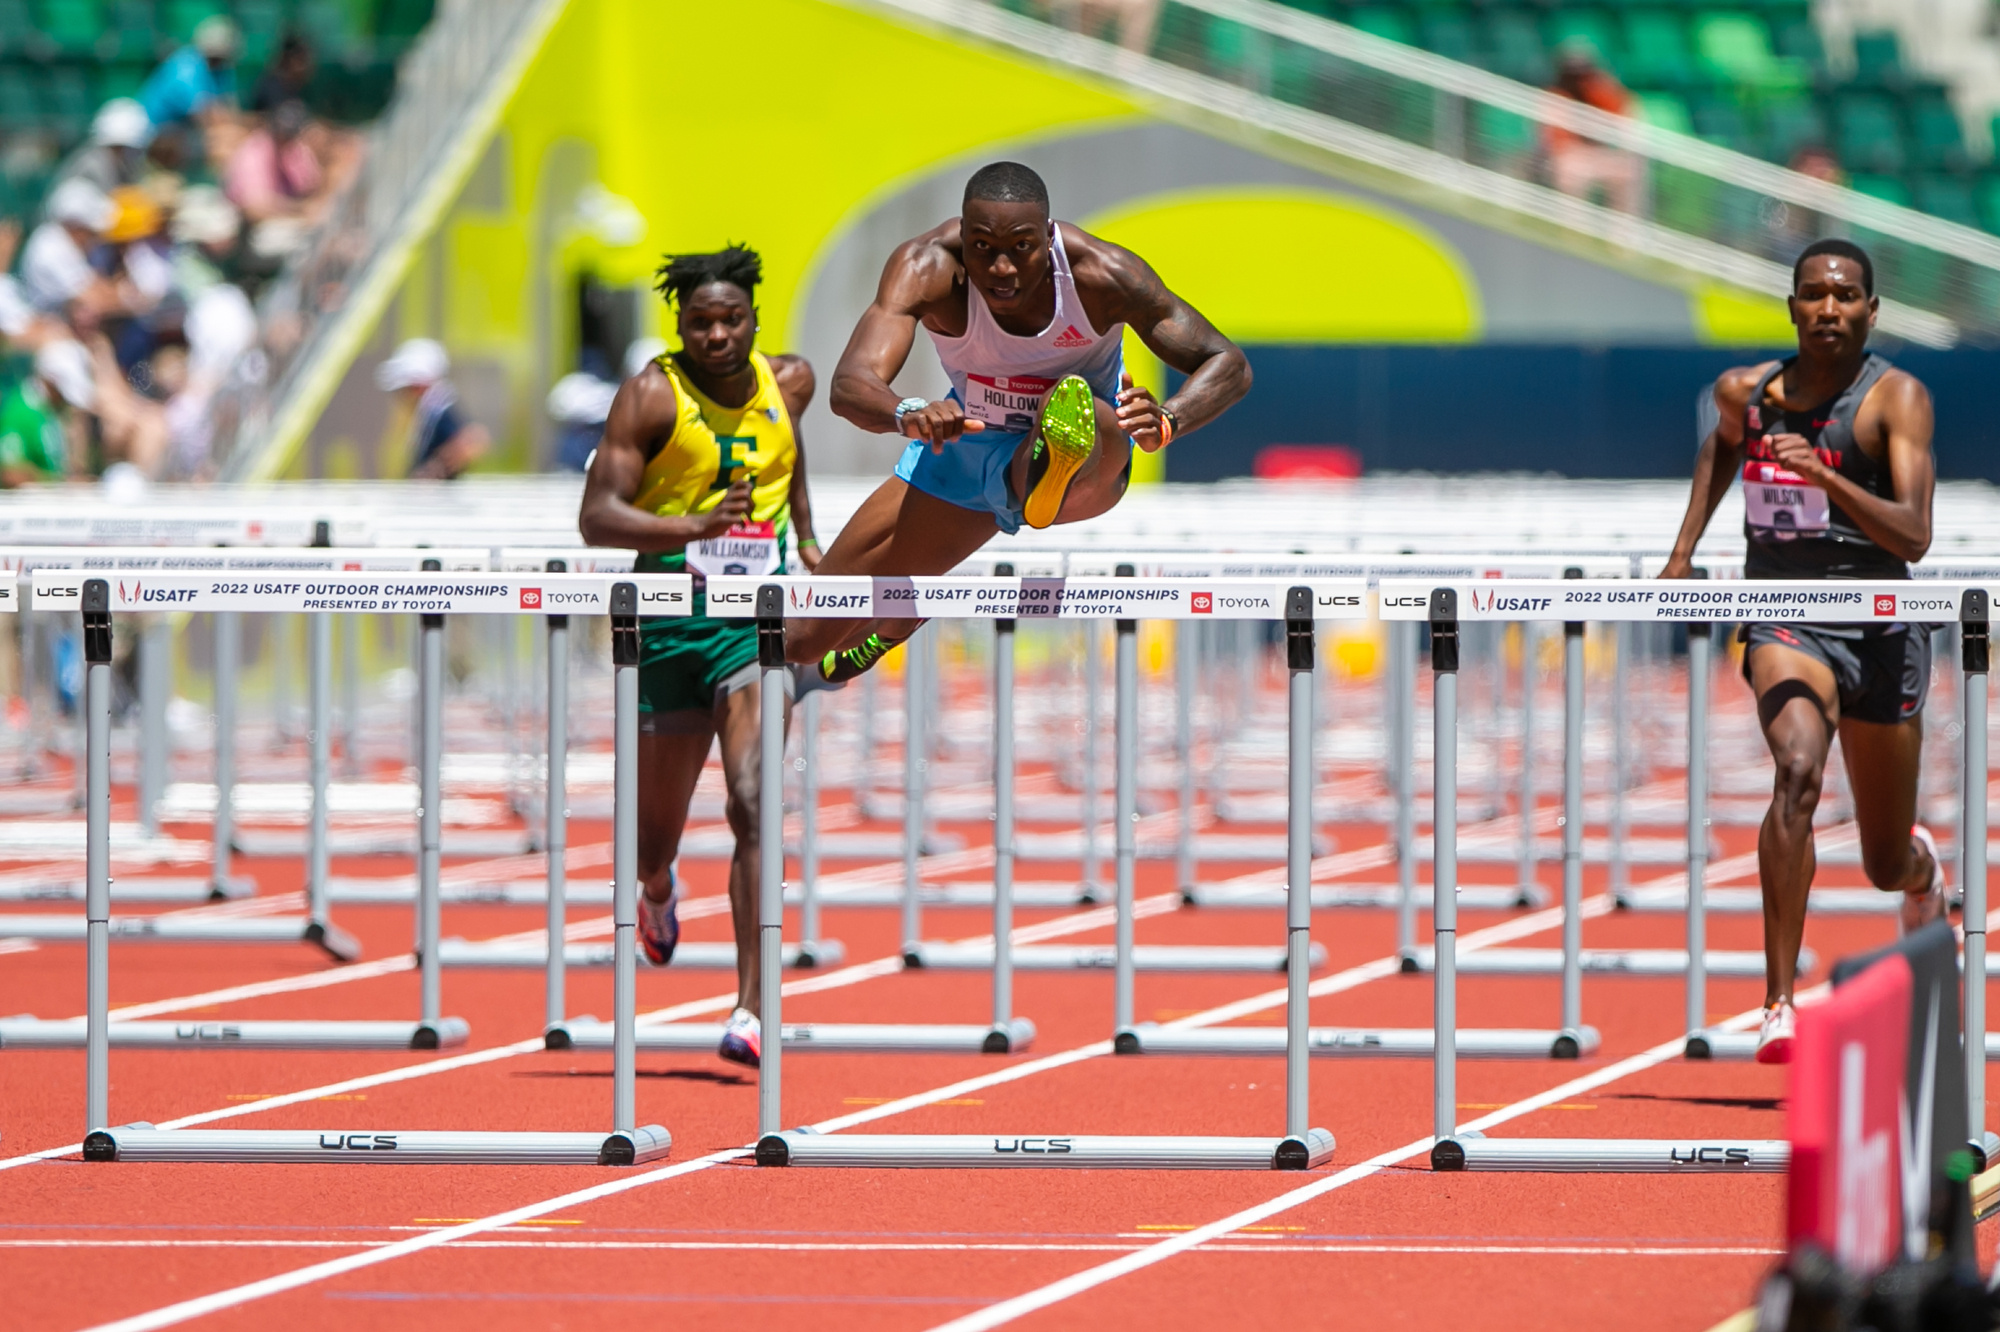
(679, 276)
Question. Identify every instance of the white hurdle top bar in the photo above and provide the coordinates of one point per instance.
(845, 597)
(431, 593)
(1655, 600)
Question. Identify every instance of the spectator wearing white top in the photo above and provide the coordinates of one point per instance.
(56, 269)
(443, 443)
(116, 152)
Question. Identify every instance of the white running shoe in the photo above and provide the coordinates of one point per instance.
(1774, 1038)
(1917, 910)
(742, 1039)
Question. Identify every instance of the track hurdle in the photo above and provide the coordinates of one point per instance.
(432, 595)
(1652, 601)
(1124, 600)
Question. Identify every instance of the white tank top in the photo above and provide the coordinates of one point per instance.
(1002, 379)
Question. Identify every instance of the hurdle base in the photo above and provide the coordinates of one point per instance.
(1750, 901)
(156, 889)
(1734, 964)
(176, 927)
(1473, 897)
(930, 1151)
(1340, 1042)
(587, 1033)
(28, 1033)
(143, 1142)
(1722, 1046)
(946, 895)
(456, 952)
(1617, 1156)
(940, 956)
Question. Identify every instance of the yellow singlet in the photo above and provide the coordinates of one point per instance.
(713, 446)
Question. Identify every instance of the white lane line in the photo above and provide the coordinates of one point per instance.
(1056, 1292)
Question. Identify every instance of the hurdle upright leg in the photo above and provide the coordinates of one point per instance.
(914, 655)
(1301, 772)
(1974, 615)
(625, 857)
(1186, 648)
(1572, 842)
(555, 1001)
(430, 752)
(1525, 855)
(319, 742)
(96, 762)
(1003, 829)
(809, 715)
(1126, 808)
(1699, 641)
(1092, 687)
(771, 858)
(1402, 672)
(228, 629)
(1446, 1153)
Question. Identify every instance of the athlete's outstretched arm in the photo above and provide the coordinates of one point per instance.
(1902, 525)
(795, 380)
(919, 273)
(643, 415)
(1715, 466)
(1218, 373)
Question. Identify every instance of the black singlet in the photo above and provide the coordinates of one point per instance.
(1793, 528)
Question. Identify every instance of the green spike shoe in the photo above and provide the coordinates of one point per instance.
(1062, 446)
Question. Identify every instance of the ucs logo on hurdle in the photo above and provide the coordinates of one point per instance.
(357, 1142)
(1042, 1146)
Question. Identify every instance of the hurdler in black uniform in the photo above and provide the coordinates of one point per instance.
(1834, 447)
(1793, 530)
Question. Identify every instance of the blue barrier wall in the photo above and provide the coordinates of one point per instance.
(1577, 411)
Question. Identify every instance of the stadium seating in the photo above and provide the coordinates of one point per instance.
(61, 59)
(1748, 74)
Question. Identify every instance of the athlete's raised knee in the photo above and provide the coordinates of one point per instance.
(1800, 774)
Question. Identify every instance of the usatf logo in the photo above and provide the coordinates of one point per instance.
(808, 596)
(1202, 603)
(1885, 603)
(531, 598)
(1482, 601)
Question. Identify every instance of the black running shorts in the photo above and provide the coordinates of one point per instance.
(1882, 671)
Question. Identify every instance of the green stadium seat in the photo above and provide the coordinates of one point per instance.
(118, 80)
(1878, 60)
(1987, 195)
(1948, 197)
(263, 23)
(1296, 75)
(73, 27)
(17, 27)
(1937, 141)
(134, 33)
(1228, 47)
(1867, 134)
(1657, 54)
(331, 26)
(1735, 47)
(398, 21)
(20, 106)
(1797, 38)
(70, 104)
(1719, 118)
(1792, 123)
(1669, 111)
(1889, 189)
(1514, 47)
(1447, 32)
(1585, 24)
(1388, 21)
(179, 17)
(1500, 136)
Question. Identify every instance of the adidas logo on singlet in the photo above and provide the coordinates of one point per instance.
(1069, 337)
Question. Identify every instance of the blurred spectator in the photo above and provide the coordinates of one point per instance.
(20, 324)
(274, 174)
(286, 78)
(580, 403)
(1577, 165)
(1817, 160)
(1132, 21)
(131, 428)
(34, 445)
(115, 155)
(198, 82)
(442, 443)
(1790, 227)
(55, 266)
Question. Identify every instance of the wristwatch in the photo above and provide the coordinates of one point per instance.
(908, 405)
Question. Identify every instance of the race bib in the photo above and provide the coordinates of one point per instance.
(747, 548)
(1006, 402)
(1780, 505)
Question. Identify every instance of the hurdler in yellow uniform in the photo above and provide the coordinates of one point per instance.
(685, 663)
(701, 468)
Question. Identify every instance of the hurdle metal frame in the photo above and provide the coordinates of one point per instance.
(1301, 1147)
(1644, 600)
(625, 1144)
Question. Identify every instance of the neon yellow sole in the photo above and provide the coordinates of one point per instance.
(1069, 432)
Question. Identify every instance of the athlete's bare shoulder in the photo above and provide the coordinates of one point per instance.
(1898, 402)
(795, 378)
(644, 410)
(1734, 386)
(1110, 275)
(923, 270)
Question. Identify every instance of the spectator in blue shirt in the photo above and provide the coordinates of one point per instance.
(442, 442)
(197, 82)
